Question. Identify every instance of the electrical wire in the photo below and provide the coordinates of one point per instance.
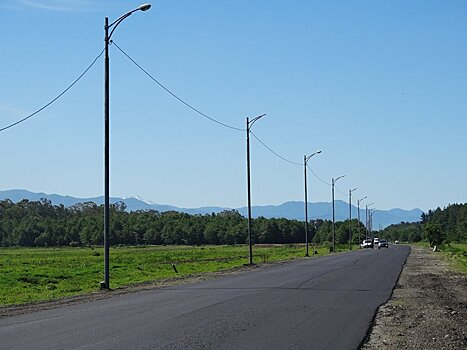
(213, 119)
(56, 98)
(316, 175)
(327, 183)
(338, 190)
(295, 163)
(173, 94)
(205, 115)
(273, 152)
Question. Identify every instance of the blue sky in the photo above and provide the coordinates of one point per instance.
(378, 86)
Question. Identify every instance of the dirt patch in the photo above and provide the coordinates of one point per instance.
(427, 310)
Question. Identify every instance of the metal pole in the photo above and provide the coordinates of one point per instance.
(106, 158)
(306, 210)
(248, 184)
(366, 221)
(333, 220)
(350, 219)
(106, 283)
(358, 213)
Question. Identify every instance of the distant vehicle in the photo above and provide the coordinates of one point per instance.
(375, 241)
(367, 243)
(397, 242)
(383, 244)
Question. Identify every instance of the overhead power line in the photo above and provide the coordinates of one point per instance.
(294, 163)
(272, 151)
(56, 98)
(338, 190)
(173, 94)
(316, 175)
(209, 117)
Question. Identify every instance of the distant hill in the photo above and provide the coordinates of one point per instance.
(289, 210)
(323, 210)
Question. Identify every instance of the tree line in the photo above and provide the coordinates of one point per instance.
(436, 226)
(41, 224)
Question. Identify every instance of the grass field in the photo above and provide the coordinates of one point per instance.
(455, 253)
(38, 274)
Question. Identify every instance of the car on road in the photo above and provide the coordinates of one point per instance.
(375, 241)
(367, 243)
(383, 244)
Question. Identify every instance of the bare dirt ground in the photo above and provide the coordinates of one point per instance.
(427, 310)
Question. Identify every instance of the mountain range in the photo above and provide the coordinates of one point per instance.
(288, 210)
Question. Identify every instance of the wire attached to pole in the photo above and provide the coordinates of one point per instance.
(56, 98)
(173, 94)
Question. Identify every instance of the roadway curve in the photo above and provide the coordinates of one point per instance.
(320, 303)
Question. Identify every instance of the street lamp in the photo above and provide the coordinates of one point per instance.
(366, 218)
(106, 284)
(358, 209)
(249, 124)
(333, 215)
(305, 161)
(350, 218)
(370, 220)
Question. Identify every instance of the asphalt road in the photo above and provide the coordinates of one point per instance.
(319, 303)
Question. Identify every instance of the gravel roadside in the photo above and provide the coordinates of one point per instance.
(427, 310)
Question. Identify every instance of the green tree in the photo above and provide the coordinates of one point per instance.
(434, 233)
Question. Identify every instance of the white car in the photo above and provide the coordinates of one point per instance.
(383, 244)
(367, 243)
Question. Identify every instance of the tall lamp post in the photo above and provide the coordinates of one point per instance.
(305, 161)
(370, 220)
(249, 124)
(366, 219)
(106, 283)
(350, 217)
(333, 215)
(358, 209)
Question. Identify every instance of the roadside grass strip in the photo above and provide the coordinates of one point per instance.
(456, 254)
(41, 274)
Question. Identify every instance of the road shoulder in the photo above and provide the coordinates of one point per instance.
(427, 310)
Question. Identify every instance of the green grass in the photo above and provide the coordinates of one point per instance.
(456, 255)
(38, 274)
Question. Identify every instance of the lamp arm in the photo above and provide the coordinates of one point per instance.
(118, 21)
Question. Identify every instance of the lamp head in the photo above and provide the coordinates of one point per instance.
(144, 7)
